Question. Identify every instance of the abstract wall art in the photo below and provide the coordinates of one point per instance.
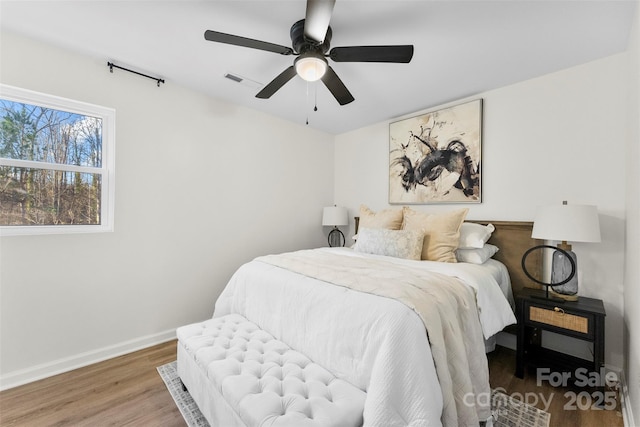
(436, 157)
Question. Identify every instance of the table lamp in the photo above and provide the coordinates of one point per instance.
(566, 223)
(334, 216)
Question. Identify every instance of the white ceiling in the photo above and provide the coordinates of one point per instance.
(462, 48)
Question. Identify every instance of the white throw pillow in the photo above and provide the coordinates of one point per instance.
(405, 244)
(474, 235)
(477, 255)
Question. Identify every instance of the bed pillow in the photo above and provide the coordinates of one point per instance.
(405, 244)
(477, 255)
(390, 219)
(441, 232)
(474, 235)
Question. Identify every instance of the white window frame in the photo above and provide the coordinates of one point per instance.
(107, 170)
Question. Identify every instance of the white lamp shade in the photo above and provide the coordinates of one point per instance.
(335, 216)
(311, 68)
(569, 223)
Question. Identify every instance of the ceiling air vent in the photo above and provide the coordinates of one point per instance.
(243, 80)
(233, 77)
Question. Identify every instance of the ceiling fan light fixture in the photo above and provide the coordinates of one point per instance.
(311, 67)
(311, 42)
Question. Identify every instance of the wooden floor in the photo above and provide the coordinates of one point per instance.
(127, 391)
(502, 365)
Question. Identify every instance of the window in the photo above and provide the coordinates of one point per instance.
(56, 164)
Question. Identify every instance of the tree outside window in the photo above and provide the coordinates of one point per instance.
(56, 174)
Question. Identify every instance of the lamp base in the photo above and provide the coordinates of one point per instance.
(336, 238)
(563, 297)
(563, 271)
(548, 297)
(553, 299)
(560, 270)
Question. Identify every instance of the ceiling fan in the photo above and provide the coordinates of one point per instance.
(311, 38)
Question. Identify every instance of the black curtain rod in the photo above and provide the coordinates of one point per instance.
(111, 66)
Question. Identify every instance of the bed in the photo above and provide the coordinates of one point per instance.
(334, 306)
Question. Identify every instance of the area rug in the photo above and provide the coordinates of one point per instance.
(188, 408)
(507, 411)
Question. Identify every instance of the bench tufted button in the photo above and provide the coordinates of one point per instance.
(277, 374)
(262, 379)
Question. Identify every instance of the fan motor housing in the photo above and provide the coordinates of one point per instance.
(301, 44)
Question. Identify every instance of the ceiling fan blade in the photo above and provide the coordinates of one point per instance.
(317, 19)
(336, 87)
(215, 36)
(277, 83)
(399, 53)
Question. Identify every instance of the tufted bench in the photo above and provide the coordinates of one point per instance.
(239, 374)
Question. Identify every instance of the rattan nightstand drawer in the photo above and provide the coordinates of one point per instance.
(557, 317)
(537, 315)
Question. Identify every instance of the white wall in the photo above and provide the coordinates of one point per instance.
(201, 187)
(553, 138)
(198, 165)
(632, 270)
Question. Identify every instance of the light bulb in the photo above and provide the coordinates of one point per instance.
(311, 68)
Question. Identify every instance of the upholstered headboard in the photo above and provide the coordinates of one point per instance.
(513, 238)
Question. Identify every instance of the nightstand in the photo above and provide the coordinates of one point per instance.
(582, 319)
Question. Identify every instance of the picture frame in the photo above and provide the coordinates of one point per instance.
(436, 157)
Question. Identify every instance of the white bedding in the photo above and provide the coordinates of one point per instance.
(490, 281)
(501, 275)
(376, 343)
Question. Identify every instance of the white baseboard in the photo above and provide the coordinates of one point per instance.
(627, 414)
(38, 372)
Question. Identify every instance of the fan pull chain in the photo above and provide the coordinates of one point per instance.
(307, 103)
(315, 100)
(315, 106)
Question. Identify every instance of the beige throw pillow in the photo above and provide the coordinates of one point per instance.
(441, 232)
(391, 219)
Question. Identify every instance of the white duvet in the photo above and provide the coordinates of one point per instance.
(376, 343)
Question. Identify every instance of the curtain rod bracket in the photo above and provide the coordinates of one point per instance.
(111, 66)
